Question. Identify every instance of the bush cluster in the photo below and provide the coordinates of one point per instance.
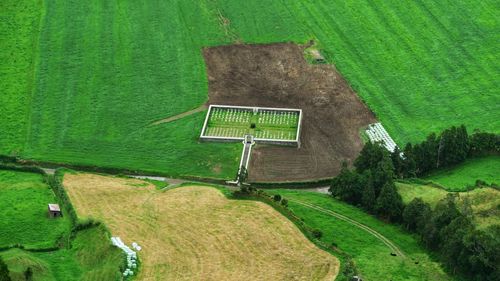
(446, 229)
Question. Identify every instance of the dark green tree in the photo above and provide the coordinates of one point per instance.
(444, 213)
(284, 202)
(425, 154)
(370, 156)
(4, 271)
(483, 254)
(398, 163)
(389, 203)
(452, 248)
(413, 214)
(28, 274)
(277, 197)
(453, 146)
(317, 233)
(409, 165)
(482, 143)
(347, 186)
(368, 199)
(382, 173)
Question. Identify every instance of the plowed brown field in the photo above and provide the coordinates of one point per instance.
(196, 233)
(277, 75)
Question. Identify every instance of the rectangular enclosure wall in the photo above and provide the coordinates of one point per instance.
(267, 125)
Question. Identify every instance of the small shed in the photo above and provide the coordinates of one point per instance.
(54, 211)
(317, 56)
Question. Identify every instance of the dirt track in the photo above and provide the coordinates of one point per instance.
(195, 233)
(277, 75)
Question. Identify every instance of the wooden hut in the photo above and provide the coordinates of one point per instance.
(54, 211)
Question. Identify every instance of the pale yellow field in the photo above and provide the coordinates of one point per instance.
(484, 201)
(195, 233)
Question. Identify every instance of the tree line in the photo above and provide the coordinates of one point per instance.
(447, 229)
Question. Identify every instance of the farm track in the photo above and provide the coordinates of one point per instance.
(394, 248)
(182, 115)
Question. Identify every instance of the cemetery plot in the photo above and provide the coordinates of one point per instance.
(265, 124)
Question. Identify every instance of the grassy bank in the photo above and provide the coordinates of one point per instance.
(52, 248)
(484, 202)
(371, 256)
(458, 178)
(91, 257)
(24, 219)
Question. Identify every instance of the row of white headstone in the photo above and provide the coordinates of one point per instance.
(231, 115)
(225, 132)
(278, 135)
(377, 133)
(131, 254)
(278, 118)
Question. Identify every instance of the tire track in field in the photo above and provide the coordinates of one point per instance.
(182, 115)
(394, 248)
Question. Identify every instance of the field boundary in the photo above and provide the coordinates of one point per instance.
(368, 229)
(136, 172)
(255, 109)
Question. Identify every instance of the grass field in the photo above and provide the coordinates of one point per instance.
(24, 219)
(405, 59)
(485, 202)
(19, 27)
(371, 256)
(104, 71)
(196, 233)
(91, 258)
(458, 178)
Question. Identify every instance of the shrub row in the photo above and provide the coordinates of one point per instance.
(348, 267)
(298, 184)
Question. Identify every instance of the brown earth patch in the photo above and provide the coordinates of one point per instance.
(277, 75)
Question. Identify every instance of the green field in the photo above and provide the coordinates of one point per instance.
(104, 71)
(459, 177)
(91, 258)
(24, 219)
(19, 26)
(225, 122)
(371, 256)
(49, 248)
(485, 202)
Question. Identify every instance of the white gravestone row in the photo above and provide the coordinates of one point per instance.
(278, 118)
(231, 115)
(225, 132)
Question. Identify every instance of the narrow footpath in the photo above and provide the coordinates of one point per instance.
(182, 115)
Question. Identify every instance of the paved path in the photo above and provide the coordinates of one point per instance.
(170, 181)
(182, 115)
(49, 171)
(394, 248)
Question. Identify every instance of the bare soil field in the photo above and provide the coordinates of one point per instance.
(196, 233)
(277, 75)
